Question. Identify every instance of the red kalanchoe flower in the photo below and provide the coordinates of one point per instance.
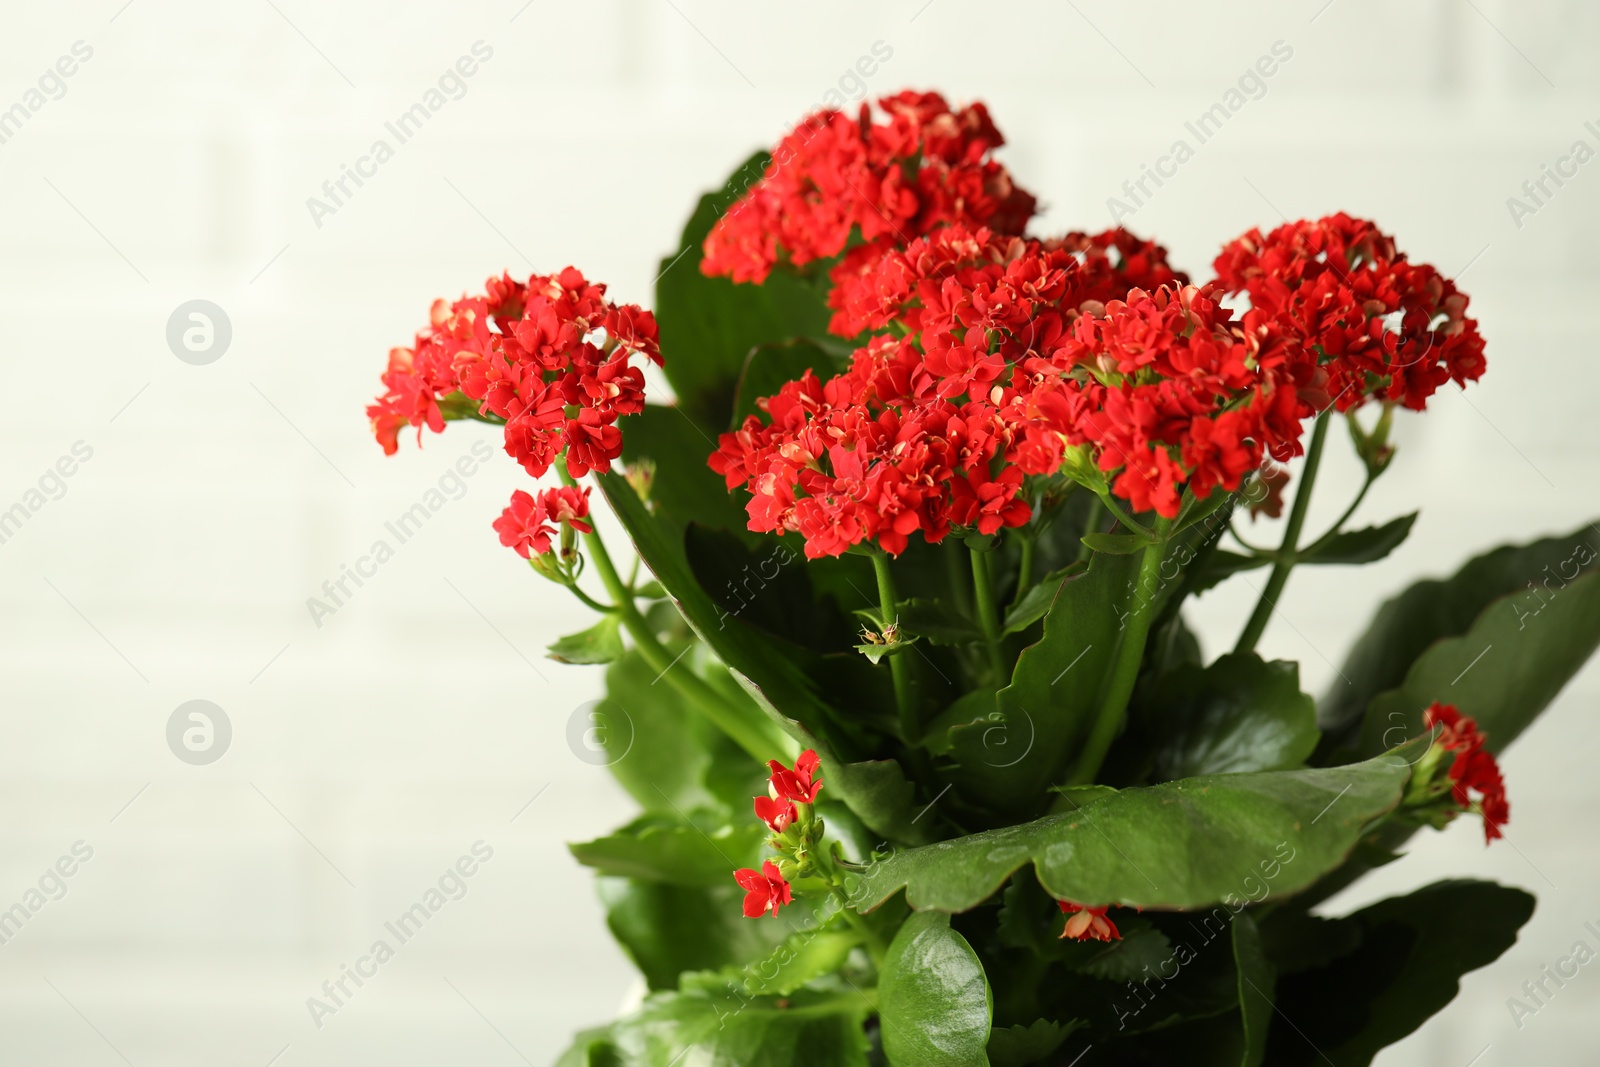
(525, 524)
(551, 358)
(1473, 770)
(800, 784)
(779, 813)
(891, 173)
(766, 890)
(1088, 924)
(1373, 324)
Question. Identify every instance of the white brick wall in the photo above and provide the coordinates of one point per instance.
(405, 728)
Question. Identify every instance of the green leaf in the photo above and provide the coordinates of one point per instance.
(1179, 845)
(771, 366)
(1503, 671)
(801, 958)
(1431, 610)
(601, 643)
(1115, 544)
(1035, 603)
(1142, 946)
(669, 929)
(1018, 1046)
(1256, 982)
(933, 997)
(1220, 564)
(1239, 714)
(667, 850)
(709, 325)
(1009, 757)
(664, 753)
(1413, 951)
(874, 653)
(937, 622)
(1363, 546)
(721, 1026)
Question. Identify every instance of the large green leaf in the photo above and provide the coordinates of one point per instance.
(666, 849)
(722, 1026)
(709, 325)
(933, 997)
(1179, 845)
(669, 929)
(1503, 671)
(683, 488)
(1018, 1046)
(1413, 951)
(1431, 610)
(801, 958)
(1239, 714)
(1010, 755)
(669, 758)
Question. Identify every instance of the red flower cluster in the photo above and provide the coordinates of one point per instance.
(915, 165)
(1088, 924)
(1374, 323)
(551, 357)
(1473, 770)
(786, 787)
(1003, 353)
(525, 525)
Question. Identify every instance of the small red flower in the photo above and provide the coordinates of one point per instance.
(568, 504)
(1088, 924)
(524, 526)
(778, 813)
(800, 784)
(1473, 770)
(765, 890)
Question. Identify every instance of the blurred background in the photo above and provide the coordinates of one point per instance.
(214, 488)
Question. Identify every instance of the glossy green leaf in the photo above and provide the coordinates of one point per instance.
(1256, 983)
(1431, 610)
(938, 622)
(1503, 671)
(709, 325)
(1413, 951)
(1366, 545)
(669, 929)
(601, 643)
(666, 849)
(1009, 756)
(1238, 714)
(1179, 845)
(933, 997)
(683, 487)
(722, 1026)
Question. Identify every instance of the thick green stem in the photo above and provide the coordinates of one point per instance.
(988, 617)
(1291, 538)
(1130, 653)
(749, 734)
(1024, 570)
(910, 728)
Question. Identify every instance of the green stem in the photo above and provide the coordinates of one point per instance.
(1024, 570)
(1091, 523)
(731, 720)
(988, 619)
(1130, 653)
(589, 600)
(875, 946)
(1333, 530)
(1123, 517)
(1291, 537)
(910, 728)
